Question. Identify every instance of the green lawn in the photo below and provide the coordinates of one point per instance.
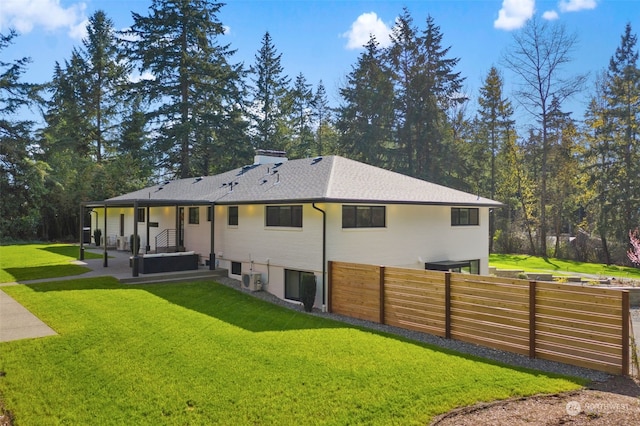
(202, 353)
(23, 262)
(563, 267)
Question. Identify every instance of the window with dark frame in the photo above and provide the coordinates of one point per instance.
(292, 280)
(363, 216)
(209, 214)
(141, 214)
(465, 216)
(233, 216)
(122, 225)
(194, 215)
(473, 268)
(284, 216)
(236, 268)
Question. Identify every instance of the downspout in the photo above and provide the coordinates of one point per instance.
(324, 254)
(212, 253)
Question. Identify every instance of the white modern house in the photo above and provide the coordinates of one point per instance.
(271, 222)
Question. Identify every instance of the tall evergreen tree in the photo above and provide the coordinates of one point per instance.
(426, 86)
(21, 175)
(365, 117)
(83, 127)
(564, 165)
(68, 126)
(177, 43)
(301, 144)
(598, 165)
(613, 156)
(495, 124)
(322, 114)
(270, 101)
(623, 96)
(105, 79)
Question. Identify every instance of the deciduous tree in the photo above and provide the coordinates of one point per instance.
(634, 251)
(537, 56)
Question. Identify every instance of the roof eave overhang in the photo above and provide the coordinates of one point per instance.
(360, 201)
(146, 203)
(163, 203)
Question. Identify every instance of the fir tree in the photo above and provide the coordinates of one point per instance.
(623, 95)
(301, 145)
(322, 115)
(270, 103)
(365, 117)
(493, 130)
(21, 175)
(192, 79)
(426, 87)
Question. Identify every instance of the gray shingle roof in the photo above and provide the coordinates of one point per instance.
(332, 178)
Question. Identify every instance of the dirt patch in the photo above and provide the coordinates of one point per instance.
(614, 402)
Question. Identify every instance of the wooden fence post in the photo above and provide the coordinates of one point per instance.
(447, 305)
(382, 295)
(532, 319)
(329, 276)
(625, 333)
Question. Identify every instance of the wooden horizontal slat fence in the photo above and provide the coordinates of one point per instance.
(583, 326)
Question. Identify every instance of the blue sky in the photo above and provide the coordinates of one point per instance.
(321, 38)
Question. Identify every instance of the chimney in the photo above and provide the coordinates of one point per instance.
(268, 156)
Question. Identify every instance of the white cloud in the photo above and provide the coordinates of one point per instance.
(362, 29)
(24, 15)
(135, 78)
(79, 31)
(514, 14)
(576, 5)
(550, 15)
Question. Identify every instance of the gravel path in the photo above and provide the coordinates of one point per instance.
(455, 345)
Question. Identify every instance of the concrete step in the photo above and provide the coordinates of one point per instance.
(165, 277)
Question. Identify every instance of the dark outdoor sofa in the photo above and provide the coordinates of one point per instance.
(168, 262)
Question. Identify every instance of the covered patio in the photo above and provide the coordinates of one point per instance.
(168, 258)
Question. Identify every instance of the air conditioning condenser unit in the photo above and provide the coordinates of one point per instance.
(252, 282)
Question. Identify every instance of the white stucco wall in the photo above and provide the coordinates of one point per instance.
(269, 250)
(413, 235)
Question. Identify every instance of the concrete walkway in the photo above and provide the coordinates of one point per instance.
(16, 322)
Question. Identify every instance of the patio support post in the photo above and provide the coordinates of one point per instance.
(147, 247)
(212, 253)
(135, 247)
(82, 208)
(177, 228)
(105, 262)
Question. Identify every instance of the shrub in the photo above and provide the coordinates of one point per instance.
(131, 243)
(308, 291)
(97, 236)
